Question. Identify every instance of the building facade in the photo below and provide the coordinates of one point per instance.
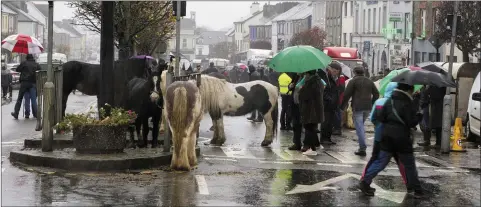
(319, 14)
(347, 23)
(334, 22)
(293, 21)
(206, 40)
(187, 38)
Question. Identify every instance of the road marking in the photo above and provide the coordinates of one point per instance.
(217, 158)
(346, 158)
(274, 162)
(370, 138)
(396, 197)
(237, 152)
(334, 164)
(452, 171)
(291, 155)
(202, 185)
(418, 164)
(204, 139)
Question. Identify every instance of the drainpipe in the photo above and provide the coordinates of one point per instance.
(412, 35)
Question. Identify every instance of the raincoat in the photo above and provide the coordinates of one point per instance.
(378, 105)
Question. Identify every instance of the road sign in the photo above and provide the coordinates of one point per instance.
(395, 16)
(183, 8)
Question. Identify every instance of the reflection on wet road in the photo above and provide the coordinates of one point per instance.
(241, 173)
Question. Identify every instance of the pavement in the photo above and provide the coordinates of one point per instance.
(241, 173)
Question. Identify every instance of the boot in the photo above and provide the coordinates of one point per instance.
(366, 189)
(14, 115)
(295, 147)
(424, 144)
(337, 132)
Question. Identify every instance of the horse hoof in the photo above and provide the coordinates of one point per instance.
(266, 143)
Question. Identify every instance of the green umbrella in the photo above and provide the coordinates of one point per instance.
(299, 59)
(386, 80)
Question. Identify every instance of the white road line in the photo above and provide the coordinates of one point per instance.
(334, 164)
(452, 171)
(370, 138)
(291, 155)
(12, 142)
(274, 162)
(235, 152)
(217, 158)
(202, 185)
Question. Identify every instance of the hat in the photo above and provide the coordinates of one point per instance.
(335, 65)
(358, 70)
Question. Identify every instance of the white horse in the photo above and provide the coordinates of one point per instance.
(183, 105)
(220, 97)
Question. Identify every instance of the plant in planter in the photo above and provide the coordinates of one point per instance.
(93, 135)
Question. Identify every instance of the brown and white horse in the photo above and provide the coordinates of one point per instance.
(183, 106)
(220, 98)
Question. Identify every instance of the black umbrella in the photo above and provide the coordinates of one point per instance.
(423, 77)
(433, 67)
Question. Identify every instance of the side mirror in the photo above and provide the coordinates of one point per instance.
(476, 96)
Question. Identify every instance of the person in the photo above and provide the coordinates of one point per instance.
(286, 100)
(397, 116)
(274, 77)
(197, 69)
(294, 87)
(7, 81)
(256, 115)
(340, 79)
(27, 100)
(432, 99)
(330, 101)
(363, 92)
(27, 70)
(211, 69)
(311, 110)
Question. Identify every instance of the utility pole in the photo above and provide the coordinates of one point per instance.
(49, 89)
(177, 39)
(445, 142)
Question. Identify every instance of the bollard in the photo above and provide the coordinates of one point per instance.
(167, 132)
(445, 139)
(47, 131)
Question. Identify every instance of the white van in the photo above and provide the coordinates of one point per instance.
(56, 57)
(474, 111)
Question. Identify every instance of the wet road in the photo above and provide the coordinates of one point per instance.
(243, 173)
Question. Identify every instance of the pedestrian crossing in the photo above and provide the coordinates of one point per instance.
(235, 154)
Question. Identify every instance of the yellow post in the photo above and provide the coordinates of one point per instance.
(458, 136)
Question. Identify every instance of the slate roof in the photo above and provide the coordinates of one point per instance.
(22, 16)
(187, 24)
(57, 28)
(7, 9)
(230, 31)
(212, 37)
(293, 11)
(302, 14)
(42, 8)
(243, 19)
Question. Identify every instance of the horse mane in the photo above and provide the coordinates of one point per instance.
(210, 88)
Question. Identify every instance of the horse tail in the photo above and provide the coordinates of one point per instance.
(177, 115)
(275, 118)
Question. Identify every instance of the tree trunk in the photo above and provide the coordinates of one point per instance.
(466, 56)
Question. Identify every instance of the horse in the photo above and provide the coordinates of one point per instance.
(184, 113)
(220, 97)
(86, 78)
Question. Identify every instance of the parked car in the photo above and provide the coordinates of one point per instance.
(474, 112)
(13, 70)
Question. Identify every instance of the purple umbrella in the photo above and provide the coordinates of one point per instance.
(142, 57)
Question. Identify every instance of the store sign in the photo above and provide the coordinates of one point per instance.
(395, 16)
(371, 2)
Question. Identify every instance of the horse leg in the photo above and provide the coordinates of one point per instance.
(64, 102)
(138, 124)
(180, 160)
(191, 146)
(145, 131)
(132, 137)
(269, 129)
(219, 135)
(155, 130)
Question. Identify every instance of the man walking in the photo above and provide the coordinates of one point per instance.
(432, 100)
(27, 70)
(364, 93)
(284, 81)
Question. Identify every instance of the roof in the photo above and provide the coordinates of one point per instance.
(293, 11)
(22, 16)
(57, 28)
(230, 31)
(67, 24)
(302, 14)
(212, 37)
(42, 8)
(243, 19)
(186, 24)
(6, 9)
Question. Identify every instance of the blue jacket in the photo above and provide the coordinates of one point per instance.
(378, 105)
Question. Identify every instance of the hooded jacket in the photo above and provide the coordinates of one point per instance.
(7, 78)
(378, 105)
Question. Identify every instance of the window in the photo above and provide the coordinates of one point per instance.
(423, 20)
(417, 57)
(4, 23)
(432, 57)
(436, 14)
(369, 20)
(380, 20)
(363, 22)
(350, 9)
(425, 54)
(345, 8)
(406, 25)
(455, 59)
(384, 16)
(200, 51)
(356, 24)
(184, 43)
(374, 20)
(344, 39)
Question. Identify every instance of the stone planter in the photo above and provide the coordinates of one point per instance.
(99, 139)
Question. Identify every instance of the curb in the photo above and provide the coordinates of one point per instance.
(71, 161)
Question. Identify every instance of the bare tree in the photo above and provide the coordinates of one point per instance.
(315, 37)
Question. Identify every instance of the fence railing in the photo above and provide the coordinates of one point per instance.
(58, 82)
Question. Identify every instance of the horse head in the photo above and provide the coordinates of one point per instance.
(155, 76)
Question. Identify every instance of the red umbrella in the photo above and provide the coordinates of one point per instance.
(21, 43)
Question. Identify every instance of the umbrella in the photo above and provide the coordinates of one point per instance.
(346, 70)
(433, 67)
(386, 80)
(299, 59)
(423, 77)
(142, 57)
(21, 43)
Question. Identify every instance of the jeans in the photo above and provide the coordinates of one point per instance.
(338, 118)
(406, 164)
(31, 89)
(327, 126)
(359, 117)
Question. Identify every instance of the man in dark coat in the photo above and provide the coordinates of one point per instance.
(364, 93)
(311, 108)
(27, 70)
(255, 76)
(330, 101)
(7, 81)
(295, 112)
(398, 116)
(432, 99)
(211, 69)
(273, 77)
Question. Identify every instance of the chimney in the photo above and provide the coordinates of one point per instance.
(255, 7)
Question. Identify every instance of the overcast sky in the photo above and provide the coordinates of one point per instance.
(212, 14)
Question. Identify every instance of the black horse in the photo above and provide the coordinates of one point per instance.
(86, 77)
(145, 99)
